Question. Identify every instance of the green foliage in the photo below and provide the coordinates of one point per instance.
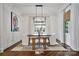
(66, 26)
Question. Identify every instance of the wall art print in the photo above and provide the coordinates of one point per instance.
(14, 22)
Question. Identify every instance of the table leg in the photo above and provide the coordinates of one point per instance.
(44, 43)
(33, 43)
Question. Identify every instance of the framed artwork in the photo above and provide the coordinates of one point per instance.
(14, 22)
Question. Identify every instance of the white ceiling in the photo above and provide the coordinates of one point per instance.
(30, 9)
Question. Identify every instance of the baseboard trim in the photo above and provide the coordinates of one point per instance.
(9, 48)
(64, 45)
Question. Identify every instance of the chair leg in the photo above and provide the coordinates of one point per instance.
(48, 41)
(29, 42)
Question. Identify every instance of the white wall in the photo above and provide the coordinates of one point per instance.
(0, 28)
(75, 28)
(8, 38)
(25, 29)
(60, 26)
(52, 28)
(1, 10)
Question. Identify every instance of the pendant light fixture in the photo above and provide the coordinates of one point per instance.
(38, 9)
(40, 14)
(39, 19)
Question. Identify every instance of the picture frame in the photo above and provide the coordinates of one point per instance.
(14, 22)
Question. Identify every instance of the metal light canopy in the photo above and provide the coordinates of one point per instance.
(39, 5)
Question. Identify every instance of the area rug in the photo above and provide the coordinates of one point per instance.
(56, 47)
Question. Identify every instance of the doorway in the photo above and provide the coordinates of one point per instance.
(67, 27)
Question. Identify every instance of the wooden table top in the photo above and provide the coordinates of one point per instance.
(38, 36)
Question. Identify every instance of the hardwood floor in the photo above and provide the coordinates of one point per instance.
(46, 53)
(8, 52)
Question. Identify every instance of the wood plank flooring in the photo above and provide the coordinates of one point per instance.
(46, 53)
(8, 52)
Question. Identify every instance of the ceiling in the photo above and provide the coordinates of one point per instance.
(30, 9)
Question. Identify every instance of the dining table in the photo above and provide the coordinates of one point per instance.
(38, 37)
